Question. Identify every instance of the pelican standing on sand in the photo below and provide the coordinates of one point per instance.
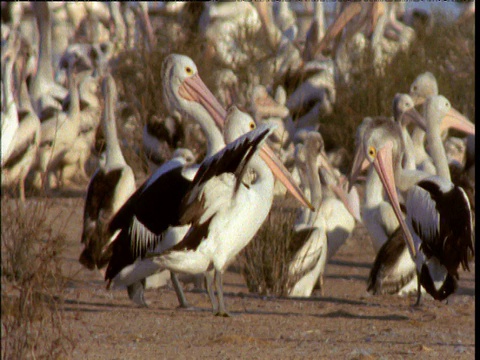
(111, 185)
(141, 225)
(152, 209)
(225, 213)
(438, 228)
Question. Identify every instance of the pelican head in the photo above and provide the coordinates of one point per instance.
(423, 86)
(438, 108)
(184, 90)
(404, 111)
(382, 146)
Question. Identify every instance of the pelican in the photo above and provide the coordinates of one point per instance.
(111, 185)
(10, 122)
(438, 225)
(308, 262)
(58, 133)
(44, 90)
(25, 145)
(225, 213)
(139, 220)
(423, 86)
(324, 230)
(90, 112)
(378, 216)
(185, 92)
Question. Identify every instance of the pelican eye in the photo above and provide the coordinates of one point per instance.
(189, 70)
(372, 151)
(252, 125)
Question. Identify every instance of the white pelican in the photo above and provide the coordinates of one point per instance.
(185, 92)
(332, 218)
(423, 86)
(58, 134)
(377, 213)
(9, 107)
(309, 260)
(73, 164)
(438, 228)
(225, 213)
(141, 220)
(27, 138)
(45, 92)
(111, 185)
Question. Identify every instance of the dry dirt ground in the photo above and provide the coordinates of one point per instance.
(345, 323)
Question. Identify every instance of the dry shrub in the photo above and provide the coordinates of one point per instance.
(266, 258)
(32, 283)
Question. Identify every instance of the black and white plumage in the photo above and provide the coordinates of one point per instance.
(111, 185)
(438, 240)
(150, 217)
(440, 220)
(224, 212)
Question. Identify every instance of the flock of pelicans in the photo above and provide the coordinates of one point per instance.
(196, 218)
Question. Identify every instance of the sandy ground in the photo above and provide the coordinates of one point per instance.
(345, 323)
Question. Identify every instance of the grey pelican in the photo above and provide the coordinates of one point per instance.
(225, 213)
(438, 225)
(111, 185)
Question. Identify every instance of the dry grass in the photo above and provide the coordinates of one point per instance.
(265, 260)
(32, 283)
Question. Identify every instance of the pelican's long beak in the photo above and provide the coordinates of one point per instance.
(413, 115)
(194, 89)
(383, 166)
(360, 163)
(455, 120)
(352, 10)
(282, 174)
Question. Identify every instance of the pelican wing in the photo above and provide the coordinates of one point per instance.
(445, 233)
(393, 267)
(197, 207)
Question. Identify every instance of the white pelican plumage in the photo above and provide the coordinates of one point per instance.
(225, 212)
(423, 86)
(185, 92)
(111, 185)
(45, 92)
(58, 134)
(143, 223)
(309, 260)
(9, 107)
(438, 227)
(25, 145)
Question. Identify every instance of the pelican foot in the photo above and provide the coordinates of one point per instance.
(223, 314)
(186, 307)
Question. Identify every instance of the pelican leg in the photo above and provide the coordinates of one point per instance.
(320, 283)
(419, 291)
(221, 303)
(209, 285)
(179, 292)
(136, 293)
